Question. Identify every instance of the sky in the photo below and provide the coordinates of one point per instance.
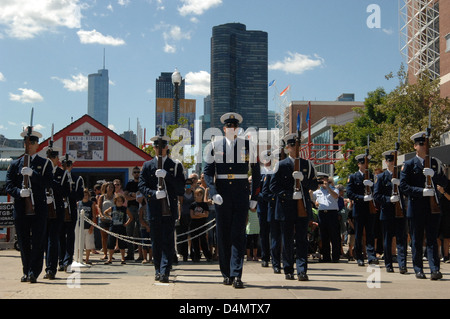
(319, 49)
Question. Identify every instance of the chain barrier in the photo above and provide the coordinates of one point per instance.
(128, 239)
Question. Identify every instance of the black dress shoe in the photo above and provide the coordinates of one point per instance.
(227, 281)
(389, 269)
(157, 277)
(237, 283)
(49, 275)
(374, 262)
(420, 275)
(276, 270)
(436, 275)
(164, 278)
(264, 263)
(403, 270)
(289, 276)
(24, 278)
(360, 262)
(303, 276)
(32, 279)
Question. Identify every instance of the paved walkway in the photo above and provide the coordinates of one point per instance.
(202, 281)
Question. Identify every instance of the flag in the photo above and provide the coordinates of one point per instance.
(285, 90)
(298, 121)
(307, 113)
(271, 83)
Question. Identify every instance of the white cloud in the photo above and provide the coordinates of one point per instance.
(78, 83)
(2, 77)
(26, 19)
(123, 2)
(198, 83)
(297, 63)
(388, 31)
(197, 7)
(171, 35)
(27, 96)
(87, 37)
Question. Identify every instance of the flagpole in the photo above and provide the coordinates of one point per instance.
(309, 129)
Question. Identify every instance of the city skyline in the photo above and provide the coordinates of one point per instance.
(319, 49)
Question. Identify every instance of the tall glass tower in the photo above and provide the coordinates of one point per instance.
(98, 86)
(239, 74)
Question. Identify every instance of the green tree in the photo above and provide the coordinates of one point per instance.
(407, 107)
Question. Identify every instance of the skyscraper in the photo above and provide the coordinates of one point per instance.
(239, 74)
(98, 91)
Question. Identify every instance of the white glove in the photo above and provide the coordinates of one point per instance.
(368, 182)
(49, 199)
(160, 194)
(428, 192)
(368, 198)
(297, 195)
(253, 204)
(217, 199)
(394, 199)
(395, 181)
(161, 173)
(26, 171)
(297, 175)
(428, 172)
(66, 204)
(25, 192)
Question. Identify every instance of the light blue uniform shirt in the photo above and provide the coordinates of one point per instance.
(325, 200)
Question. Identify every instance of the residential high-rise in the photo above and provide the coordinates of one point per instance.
(98, 92)
(239, 74)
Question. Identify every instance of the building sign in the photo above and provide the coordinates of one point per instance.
(6, 215)
(86, 148)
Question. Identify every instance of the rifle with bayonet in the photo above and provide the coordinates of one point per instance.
(434, 201)
(51, 206)
(368, 189)
(165, 208)
(29, 201)
(301, 204)
(395, 190)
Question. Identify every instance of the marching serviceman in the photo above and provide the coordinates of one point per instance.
(30, 223)
(274, 224)
(262, 210)
(67, 236)
(58, 190)
(161, 181)
(294, 226)
(421, 214)
(392, 214)
(226, 175)
(363, 218)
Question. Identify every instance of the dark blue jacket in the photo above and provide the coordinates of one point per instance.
(174, 182)
(219, 163)
(412, 183)
(40, 180)
(382, 193)
(356, 192)
(282, 186)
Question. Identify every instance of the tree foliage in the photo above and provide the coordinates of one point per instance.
(406, 108)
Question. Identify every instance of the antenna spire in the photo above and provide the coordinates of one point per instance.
(103, 58)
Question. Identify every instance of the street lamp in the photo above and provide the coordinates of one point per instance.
(176, 81)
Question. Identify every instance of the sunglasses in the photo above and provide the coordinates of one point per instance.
(137, 172)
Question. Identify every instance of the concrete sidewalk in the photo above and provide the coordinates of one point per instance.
(203, 281)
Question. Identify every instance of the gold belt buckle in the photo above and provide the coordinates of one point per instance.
(230, 176)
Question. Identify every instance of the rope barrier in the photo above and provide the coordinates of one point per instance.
(128, 239)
